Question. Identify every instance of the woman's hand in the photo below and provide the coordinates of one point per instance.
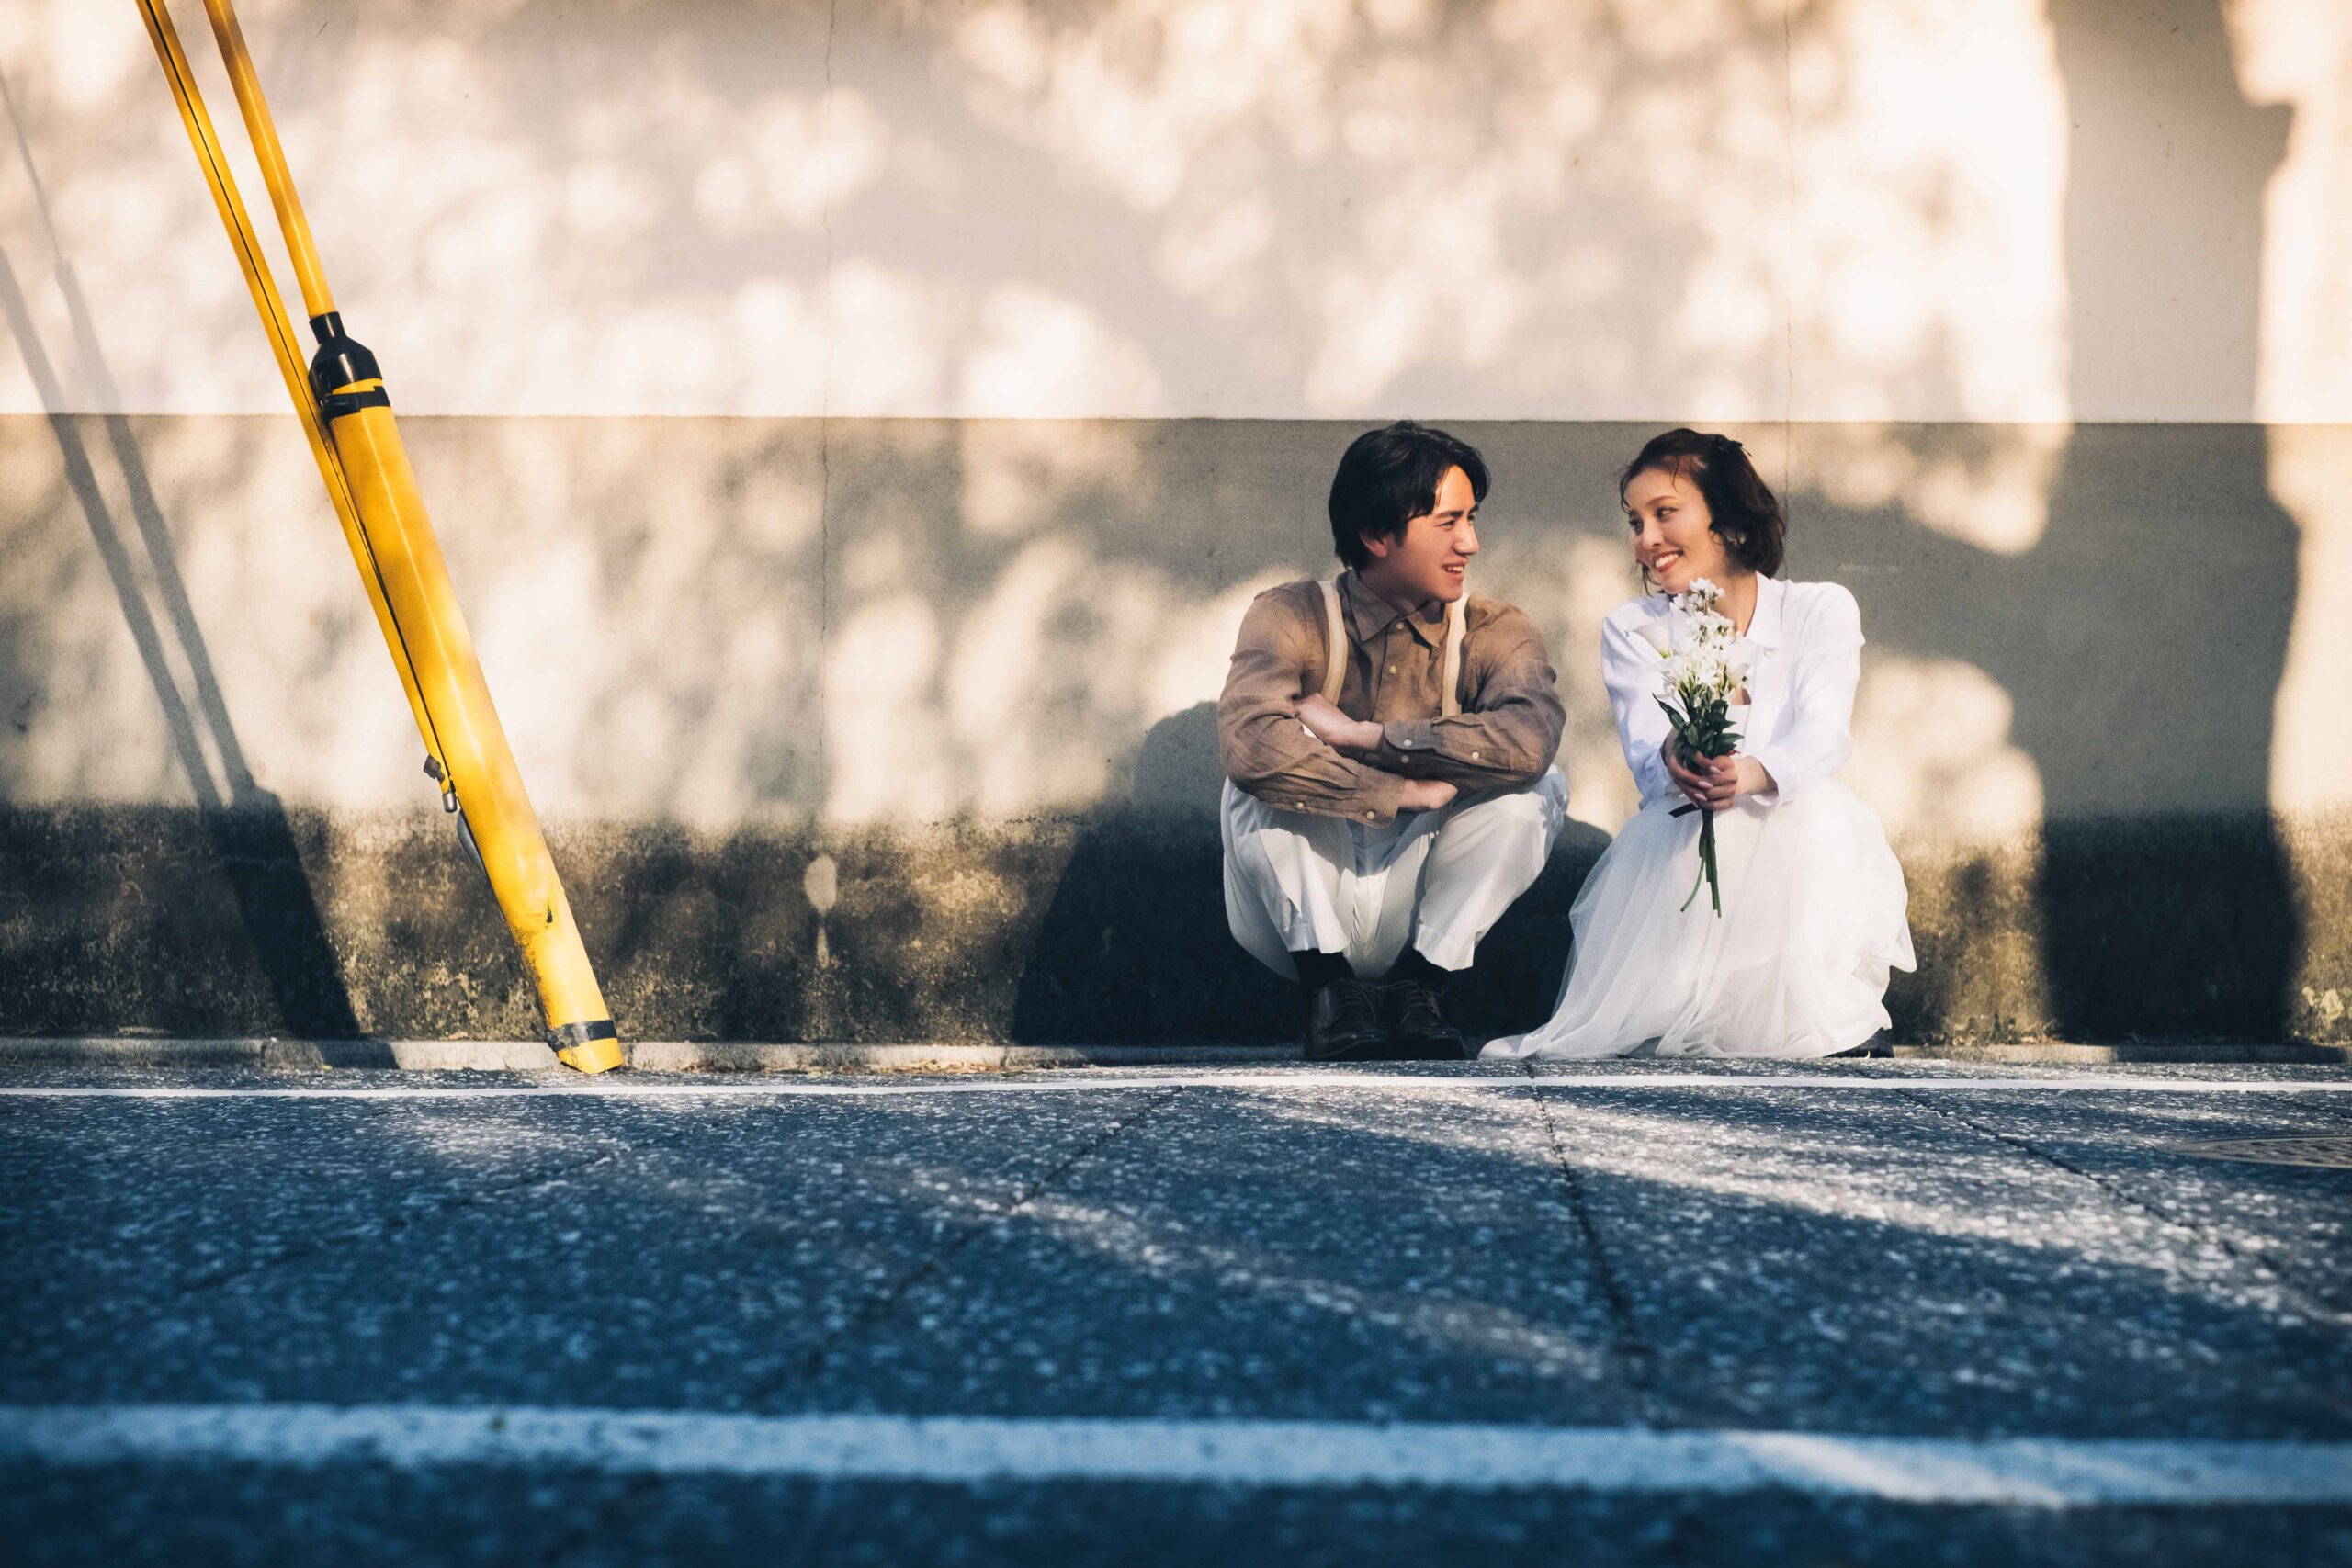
(1327, 724)
(1716, 781)
(1695, 784)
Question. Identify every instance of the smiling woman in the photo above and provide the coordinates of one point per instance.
(1698, 508)
(1791, 956)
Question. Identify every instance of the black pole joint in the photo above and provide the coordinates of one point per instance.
(339, 362)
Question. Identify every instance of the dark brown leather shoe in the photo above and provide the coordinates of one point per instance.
(1343, 1024)
(1876, 1045)
(1417, 1027)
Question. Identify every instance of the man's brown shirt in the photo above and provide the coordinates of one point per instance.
(1507, 734)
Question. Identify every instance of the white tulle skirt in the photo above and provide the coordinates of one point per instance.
(1797, 966)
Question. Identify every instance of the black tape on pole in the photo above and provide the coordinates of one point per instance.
(335, 405)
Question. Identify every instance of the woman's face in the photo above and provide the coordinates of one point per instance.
(1674, 539)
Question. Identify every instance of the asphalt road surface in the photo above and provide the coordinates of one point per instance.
(1837, 1313)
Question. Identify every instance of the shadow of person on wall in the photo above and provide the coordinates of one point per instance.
(1134, 946)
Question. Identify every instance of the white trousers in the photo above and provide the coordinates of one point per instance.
(1295, 881)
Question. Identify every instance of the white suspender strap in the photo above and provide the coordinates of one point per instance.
(1335, 643)
(1335, 650)
(1457, 625)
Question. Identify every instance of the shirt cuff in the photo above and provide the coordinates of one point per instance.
(1410, 734)
(1774, 765)
(1651, 778)
(1377, 800)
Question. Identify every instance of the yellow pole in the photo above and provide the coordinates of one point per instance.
(425, 628)
(284, 344)
(309, 275)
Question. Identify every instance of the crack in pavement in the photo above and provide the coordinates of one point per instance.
(608, 1514)
(1638, 1356)
(394, 1224)
(882, 1303)
(876, 1308)
(2291, 1292)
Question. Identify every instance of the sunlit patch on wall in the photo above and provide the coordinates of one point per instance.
(882, 750)
(1018, 473)
(884, 333)
(1987, 485)
(1929, 182)
(1568, 590)
(1215, 247)
(799, 156)
(1042, 356)
(2299, 53)
(1932, 753)
(1196, 648)
(1018, 682)
(2311, 753)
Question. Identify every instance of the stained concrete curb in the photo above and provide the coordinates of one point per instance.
(650, 1055)
(2051, 1054)
(680, 1056)
(296, 1055)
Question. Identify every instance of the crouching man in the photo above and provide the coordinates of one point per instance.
(1387, 743)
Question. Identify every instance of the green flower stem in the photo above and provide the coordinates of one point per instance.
(1715, 872)
(1702, 730)
(1706, 864)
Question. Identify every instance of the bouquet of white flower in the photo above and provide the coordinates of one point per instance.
(1702, 674)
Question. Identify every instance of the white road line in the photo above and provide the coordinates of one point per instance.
(2016, 1471)
(1254, 1082)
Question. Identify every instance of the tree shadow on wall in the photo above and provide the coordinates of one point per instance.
(1134, 945)
(2142, 637)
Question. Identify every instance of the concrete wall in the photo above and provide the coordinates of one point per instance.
(855, 435)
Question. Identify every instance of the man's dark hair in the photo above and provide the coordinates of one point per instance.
(1746, 514)
(1390, 477)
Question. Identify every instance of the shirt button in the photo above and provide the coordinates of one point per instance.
(1370, 814)
(1474, 756)
(1392, 669)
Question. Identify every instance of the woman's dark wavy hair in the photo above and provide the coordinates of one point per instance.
(1746, 514)
(1390, 477)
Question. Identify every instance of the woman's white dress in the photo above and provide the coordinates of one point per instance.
(1813, 917)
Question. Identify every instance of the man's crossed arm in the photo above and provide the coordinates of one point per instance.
(1360, 740)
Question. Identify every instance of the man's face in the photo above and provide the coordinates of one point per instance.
(1432, 558)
